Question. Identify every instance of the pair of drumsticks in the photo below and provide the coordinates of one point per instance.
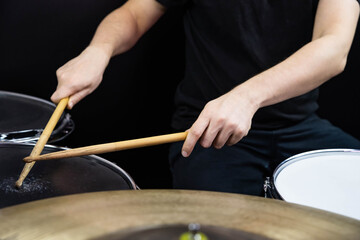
(89, 150)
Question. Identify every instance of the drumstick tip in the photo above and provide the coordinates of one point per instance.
(18, 184)
(28, 159)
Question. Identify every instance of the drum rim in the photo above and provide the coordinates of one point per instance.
(64, 117)
(100, 159)
(28, 97)
(299, 157)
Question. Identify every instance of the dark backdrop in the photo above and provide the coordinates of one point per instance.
(136, 96)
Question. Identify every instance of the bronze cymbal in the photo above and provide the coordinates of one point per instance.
(99, 214)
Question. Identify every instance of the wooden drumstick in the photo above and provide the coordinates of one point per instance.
(110, 147)
(39, 146)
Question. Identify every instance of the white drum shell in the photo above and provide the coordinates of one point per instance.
(325, 179)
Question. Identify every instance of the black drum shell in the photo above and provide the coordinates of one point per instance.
(56, 177)
(23, 118)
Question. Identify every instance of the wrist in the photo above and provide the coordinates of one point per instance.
(104, 51)
(249, 95)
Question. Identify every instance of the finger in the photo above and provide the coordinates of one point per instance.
(60, 94)
(194, 134)
(235, 138)
(74, 94)
(222, 138)
(77, 97)
(210, 134)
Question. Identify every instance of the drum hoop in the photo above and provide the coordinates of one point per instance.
(100, 159)
(28, 97)
(68, 122)
(299, 157)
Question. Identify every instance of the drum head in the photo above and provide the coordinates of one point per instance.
(21, 114)
(55, 178)
(324, 179)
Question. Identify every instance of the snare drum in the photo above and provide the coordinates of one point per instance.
(56, 177)
(325, 179)
(24, 117)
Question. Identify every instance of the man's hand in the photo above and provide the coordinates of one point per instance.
(116, 34)
(225, 120)
(81, 76)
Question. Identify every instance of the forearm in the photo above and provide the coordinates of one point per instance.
(123, 27)
(118, 32)
(309, 67)
(302, 72)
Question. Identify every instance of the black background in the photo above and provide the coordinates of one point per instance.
(135, 98)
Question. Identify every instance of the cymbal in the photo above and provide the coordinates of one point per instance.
(99, 214)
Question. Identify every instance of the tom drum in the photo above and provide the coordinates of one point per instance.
(56, 177)
(324, 179)
(24, 117)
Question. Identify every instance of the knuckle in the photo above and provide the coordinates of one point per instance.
(218, 145)
(245, 133)
(205, 143)
(209, 107)
(232, 125)
(73, 88)
(233, 140)
(196, 133)
(60, 73)
(209, 103)
(239, 131)
(220, 120)
(59, 70)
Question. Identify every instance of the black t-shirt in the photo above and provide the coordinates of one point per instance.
(228, 42)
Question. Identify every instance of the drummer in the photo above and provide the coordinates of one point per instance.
(249, 95)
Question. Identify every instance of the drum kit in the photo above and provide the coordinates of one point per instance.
(313, 195)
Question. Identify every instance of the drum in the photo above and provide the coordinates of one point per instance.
(325, 179)
(24, 117)
(57, 177)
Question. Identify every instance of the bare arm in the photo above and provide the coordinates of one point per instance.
(122, 28)
(117, 33)
(323, 58)
(227, 119)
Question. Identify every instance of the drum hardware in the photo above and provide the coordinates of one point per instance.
(270, 190)
(32, 135)
(267, 187)
(24, 117)
(62, 129)
(176, 232)
(29, 135)
(193, 233)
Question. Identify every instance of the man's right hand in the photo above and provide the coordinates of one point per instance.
(81, 75)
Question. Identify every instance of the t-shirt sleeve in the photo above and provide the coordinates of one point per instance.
(173, 3)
